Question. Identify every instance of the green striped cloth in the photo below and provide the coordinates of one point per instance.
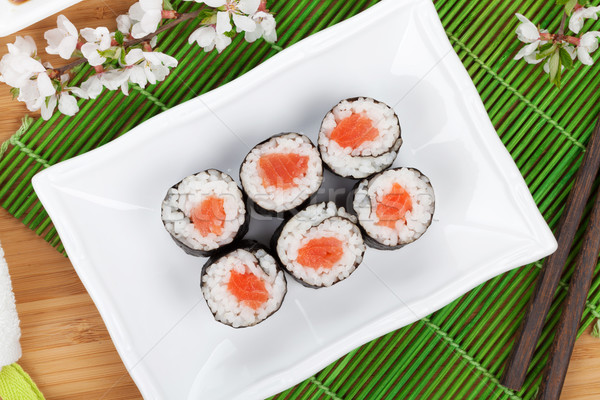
(459, 351)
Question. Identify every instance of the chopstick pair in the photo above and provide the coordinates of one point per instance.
(537, 310)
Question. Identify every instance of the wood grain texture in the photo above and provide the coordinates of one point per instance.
(66, 347)
(547, 283)
(579, 287)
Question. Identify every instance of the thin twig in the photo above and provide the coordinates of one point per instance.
(56, 72)
(561, 30)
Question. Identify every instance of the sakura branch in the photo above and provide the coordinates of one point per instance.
(558, 51)
(126, 56)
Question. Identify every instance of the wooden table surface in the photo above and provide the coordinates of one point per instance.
(66, 348)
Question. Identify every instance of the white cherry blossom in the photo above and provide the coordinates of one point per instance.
(146, 14)
(34, 92)
(208, 39)
(90, 89)
(63, 39)
(67, 103)
(116, 79)
(527, 32)
(238, 10)
(18, 66)
(119, 65)
(98, 40)
(588, 43)
(124, 23)
(577, 18)
(265, 27)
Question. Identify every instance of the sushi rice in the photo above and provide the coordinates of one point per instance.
(224, 304)
(370, 192)
(183, 198)
(274, 198)
(370, 156)
(319, 221)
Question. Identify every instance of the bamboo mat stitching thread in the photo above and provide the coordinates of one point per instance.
(465, 355)
(516, 92)
(150, 97)
(27, 121)
(328, 391)
(315, 381)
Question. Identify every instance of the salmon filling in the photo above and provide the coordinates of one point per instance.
(394, 206)
(321, 252)
(209, 216)
(354, 131)
(248, 289)
(280, 169)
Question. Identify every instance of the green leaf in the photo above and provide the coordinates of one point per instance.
(230, 34)
(546, 46)
(167, 6)
(207, 16)
(77, 69)
(565, 58)
(569, 6)
(119, 37)
(596, 330)
(548, 52)
(15, 92)
(555, 68)
(108, 53)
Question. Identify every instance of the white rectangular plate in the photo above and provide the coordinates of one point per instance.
(106, 207)
(14, 17)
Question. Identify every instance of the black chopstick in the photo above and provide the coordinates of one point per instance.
(537, 310)
(566, 331)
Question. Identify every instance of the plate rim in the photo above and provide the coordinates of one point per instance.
(22, 19)
(546, 243)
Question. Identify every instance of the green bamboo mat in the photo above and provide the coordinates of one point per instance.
(459, 351)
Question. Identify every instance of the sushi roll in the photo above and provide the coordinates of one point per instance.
(320, 246)
(359, 137)
(205, 212)
(282, 173)
(243, 286)
(394, 208)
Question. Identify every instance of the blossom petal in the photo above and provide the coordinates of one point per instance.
(45, 85)
(137, 31)
(526, 31)
(221, 42)
(151, 4)
(244, 23)
(67, 104)
(251, 37)
(48, 107)
(248, 6)
(67, 47)
(134, 56)
(204, 36)
(151, 20)
(90, 51)
(53, 37)
(93, 87)
(223, 22)
(576, 22)
(527, 50)
(214, 3)
(532, 58)
(66, 26)
(26, 45)
(124, 23)
(136, 12)
(584, 56)
(90, 34)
